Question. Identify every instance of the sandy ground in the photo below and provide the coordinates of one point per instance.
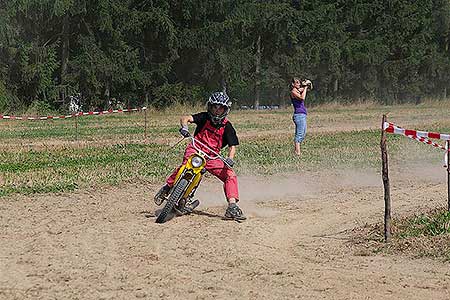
(294, 245)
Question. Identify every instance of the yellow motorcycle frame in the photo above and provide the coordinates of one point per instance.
(187, 181)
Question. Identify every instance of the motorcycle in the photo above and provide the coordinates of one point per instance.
(180, 198)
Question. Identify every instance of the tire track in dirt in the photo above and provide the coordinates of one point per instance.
(295, 244)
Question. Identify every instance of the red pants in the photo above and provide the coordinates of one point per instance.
(216, 167)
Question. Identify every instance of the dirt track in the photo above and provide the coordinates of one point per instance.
(295, 244)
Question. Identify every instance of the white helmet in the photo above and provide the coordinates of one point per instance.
(220, 98)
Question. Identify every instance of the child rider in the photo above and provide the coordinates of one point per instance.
(214, 130)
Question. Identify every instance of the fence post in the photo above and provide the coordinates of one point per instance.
(448, 176)
(145, 124)
(76, 126)
(385, 176)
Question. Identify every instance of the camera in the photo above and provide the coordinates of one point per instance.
(307, 83)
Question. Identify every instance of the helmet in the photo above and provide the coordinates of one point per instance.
(220, 98)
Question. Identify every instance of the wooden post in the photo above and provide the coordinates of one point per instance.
(448, 177)
(76, 126)
(145, 124)
(385, 176)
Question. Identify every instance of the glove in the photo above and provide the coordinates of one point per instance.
(184, 131)
(229, 161)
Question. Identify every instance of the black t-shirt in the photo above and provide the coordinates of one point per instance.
(229, 136)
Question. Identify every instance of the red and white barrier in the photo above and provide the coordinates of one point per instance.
(420, 136)
(427, 141)
(80, 114)
(392, 128)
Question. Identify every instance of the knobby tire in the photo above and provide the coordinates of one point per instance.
(173, 199)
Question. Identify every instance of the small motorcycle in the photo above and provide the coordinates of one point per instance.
(180, 198)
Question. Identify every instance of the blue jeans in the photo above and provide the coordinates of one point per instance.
(300, 127)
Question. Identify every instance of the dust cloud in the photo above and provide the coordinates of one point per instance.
(255, 190)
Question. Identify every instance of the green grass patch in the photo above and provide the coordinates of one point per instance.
(423, 235)
(67, 169)
(341, 150)
(432, 224)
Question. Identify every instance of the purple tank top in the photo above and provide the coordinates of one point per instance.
(299, 106)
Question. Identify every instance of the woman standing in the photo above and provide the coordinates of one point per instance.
(298, 96)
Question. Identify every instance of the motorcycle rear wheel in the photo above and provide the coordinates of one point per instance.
(173, 199)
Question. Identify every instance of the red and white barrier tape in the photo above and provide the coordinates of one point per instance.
(420, 136)
(80, 114)
(392, 128)
(427, 141)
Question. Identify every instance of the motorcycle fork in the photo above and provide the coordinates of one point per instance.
(190, 177)
(189, 197)
(192, 193)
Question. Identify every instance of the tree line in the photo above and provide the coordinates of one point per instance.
(161, 52)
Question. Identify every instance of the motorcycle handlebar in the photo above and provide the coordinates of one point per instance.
(218, 156)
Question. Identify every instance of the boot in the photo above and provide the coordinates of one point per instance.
(233, 212)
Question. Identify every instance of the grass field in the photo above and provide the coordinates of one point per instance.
(95, 151)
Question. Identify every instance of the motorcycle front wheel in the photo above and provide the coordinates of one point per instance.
(173, 199)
